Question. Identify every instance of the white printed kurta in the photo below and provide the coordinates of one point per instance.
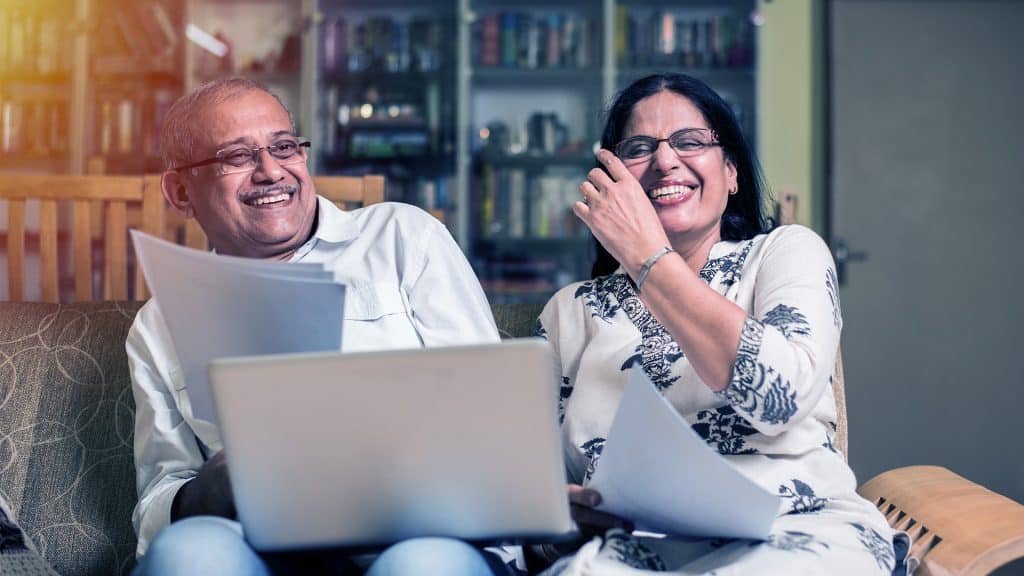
(774, 422)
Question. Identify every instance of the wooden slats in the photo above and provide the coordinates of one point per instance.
(115, 238)
(194, 235)
(153, 222)
(840, 441)
(23, 187)
(48, 272)
(373, 190)
(99, 209)
(962, 528)
(342, 190)
(16, 249)
(81, 241)
(363, 190)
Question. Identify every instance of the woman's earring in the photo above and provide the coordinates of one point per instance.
(734, 191)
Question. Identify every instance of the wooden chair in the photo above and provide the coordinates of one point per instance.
(345, 191)
(108, 196)
(957, 526)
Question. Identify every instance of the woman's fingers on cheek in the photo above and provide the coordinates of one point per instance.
(615, 166)
(599, 178)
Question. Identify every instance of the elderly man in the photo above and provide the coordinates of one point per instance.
(235, 164)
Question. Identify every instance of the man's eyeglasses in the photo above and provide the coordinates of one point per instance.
(686, 142)
(237, 159)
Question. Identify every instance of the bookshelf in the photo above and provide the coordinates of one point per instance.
(533, 79)
(83, 83)
(36, 77)
(485, 112)
(385, 74)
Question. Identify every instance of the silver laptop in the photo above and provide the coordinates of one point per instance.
(365, 449)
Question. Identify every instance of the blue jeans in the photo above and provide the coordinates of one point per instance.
(213, 545)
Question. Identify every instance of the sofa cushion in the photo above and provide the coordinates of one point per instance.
(17, 556)
(67, 422)
(516, 320)
(66, 425)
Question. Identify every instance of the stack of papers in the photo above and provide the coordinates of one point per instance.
(657, 472)
(217, 306)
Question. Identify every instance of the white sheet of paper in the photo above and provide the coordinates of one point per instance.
(217, 306)
(656, 471)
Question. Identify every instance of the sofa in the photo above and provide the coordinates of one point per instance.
(66, 427)
(66, 469)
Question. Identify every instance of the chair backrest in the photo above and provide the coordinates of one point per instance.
(345, 191)
(109, 197)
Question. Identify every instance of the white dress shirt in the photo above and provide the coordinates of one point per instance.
(408, 285)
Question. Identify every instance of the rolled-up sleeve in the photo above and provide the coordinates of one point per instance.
(167, 452)
(788, 343)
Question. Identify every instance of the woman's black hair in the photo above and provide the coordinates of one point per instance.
(744, 215)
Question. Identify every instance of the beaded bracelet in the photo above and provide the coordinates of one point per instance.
(645, 269)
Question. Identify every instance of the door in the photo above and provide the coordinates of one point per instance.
(927, 181)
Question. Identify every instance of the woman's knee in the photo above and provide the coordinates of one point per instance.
(431, 556)
(201, 544)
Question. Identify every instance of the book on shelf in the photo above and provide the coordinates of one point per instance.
(380, 42)
(33, 43)
(531, 41)
(517, 204)
(688, 38)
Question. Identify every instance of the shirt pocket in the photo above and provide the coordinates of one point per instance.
(376, 318)
(369, 301)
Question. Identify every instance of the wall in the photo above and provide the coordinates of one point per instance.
(791, 105)
(926, 168)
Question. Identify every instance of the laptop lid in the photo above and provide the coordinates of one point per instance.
(366, 449)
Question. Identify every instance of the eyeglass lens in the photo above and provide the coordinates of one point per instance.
(244, 158)
(686, 142)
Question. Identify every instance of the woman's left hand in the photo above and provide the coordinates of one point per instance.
(618, 212)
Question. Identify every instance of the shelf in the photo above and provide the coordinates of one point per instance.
(56, 163)
(532, 245)
(416, 78)
(498, 76)
(389, 7)
(540, 5)
(425, 164)
(712, 76)
(32, 77)
(262, 76)
(537, 160)
(721, 5)
(123, 74)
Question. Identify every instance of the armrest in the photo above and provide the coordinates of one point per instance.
(957, 526)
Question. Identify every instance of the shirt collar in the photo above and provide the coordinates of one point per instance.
(333, 225)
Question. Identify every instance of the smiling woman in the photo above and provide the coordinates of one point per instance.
(735, 325)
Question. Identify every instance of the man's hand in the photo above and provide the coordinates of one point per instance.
(590, 521)
(209, 493)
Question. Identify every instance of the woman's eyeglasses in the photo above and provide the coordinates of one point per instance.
(686, 142)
